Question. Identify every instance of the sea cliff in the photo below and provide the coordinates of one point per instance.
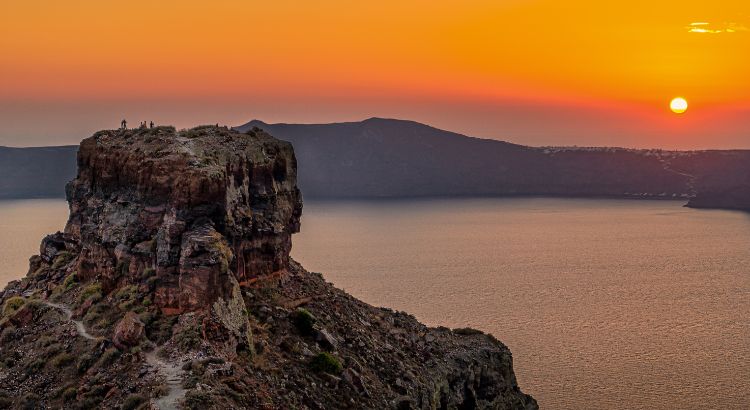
(172, 287)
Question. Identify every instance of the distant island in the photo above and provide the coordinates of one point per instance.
(387, 158)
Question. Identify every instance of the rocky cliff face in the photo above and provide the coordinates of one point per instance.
(172, 286)
(184, 206)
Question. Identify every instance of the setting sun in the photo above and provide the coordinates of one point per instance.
(678, 105)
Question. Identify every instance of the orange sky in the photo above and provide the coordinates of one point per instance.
(536, 72)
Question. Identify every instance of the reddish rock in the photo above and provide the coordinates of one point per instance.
(23, 316)
(192, 205)
(128, 331)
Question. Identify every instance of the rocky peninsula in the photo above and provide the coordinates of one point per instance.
(172, 287)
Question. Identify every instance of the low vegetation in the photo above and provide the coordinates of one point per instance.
(303, 320)
(62, 259)
(326, 363)
(133, 401)
(12, 305)
(62, 360)
(70, 281)
(93, 290)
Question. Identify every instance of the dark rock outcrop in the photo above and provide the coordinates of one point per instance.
(185, 205)
(174, 267)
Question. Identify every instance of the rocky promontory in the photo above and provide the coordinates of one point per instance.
(172, 287)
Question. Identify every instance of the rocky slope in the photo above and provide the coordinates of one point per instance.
(172, 286)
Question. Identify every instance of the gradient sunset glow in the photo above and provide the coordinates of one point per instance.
(532, 72)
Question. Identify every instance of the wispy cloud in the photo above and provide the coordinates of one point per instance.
(703, 27)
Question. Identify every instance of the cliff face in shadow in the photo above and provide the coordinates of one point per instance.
(172, 287)
(721, 178)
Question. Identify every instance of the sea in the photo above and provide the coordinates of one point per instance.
(605, 304)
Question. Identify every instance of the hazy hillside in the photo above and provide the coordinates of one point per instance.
(36, 172)
(395, 158)
(384, 157)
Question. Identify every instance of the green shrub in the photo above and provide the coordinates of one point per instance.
(12, 305)
(85, 362)
(326, 363)
(70, 281)
(133, 401)
(62, 360)
(148, 272)
(33, 367)
(69, 394)
(129, 292)
(93, 290)
(303, 320)
(62, 259)
(108, 357)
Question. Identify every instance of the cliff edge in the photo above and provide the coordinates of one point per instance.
(172, 287)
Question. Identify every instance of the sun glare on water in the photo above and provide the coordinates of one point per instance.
(678, 105)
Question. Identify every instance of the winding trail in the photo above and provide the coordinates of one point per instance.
(69, 317)
(172, 372)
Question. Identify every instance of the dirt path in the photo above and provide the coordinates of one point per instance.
(69, 317)
(172, 373)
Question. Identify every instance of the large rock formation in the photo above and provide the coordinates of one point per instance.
(185, 206)
(172, 285)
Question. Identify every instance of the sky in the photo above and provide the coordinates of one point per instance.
(544, 72)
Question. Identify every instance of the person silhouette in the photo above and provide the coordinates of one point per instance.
(151, 125)
(124, 124)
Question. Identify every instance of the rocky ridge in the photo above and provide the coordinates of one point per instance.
(172, 287)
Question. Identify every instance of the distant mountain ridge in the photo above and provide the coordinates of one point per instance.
(385, 158)
(40, 172)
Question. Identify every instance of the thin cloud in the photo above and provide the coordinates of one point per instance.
(703, 27)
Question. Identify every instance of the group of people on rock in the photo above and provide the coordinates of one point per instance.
(143, 125)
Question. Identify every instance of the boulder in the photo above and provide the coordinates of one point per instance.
(129, 331)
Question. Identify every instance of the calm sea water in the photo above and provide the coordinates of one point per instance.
(605, 304)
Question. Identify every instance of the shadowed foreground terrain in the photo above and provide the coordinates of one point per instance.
(172, 286)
